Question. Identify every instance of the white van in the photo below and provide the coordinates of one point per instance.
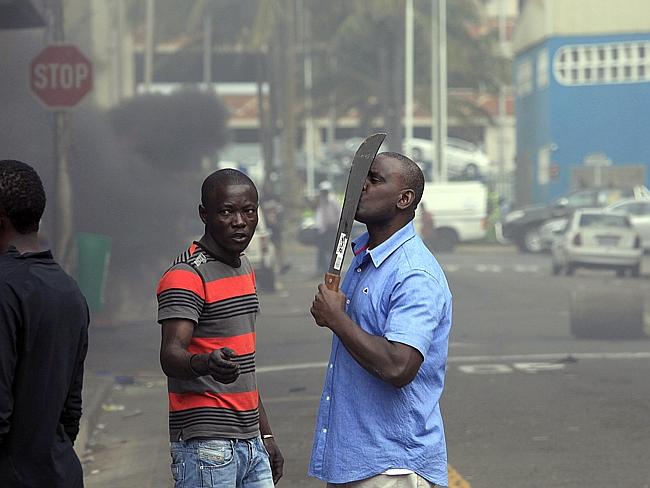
(459, 211)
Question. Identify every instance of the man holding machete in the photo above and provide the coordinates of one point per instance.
(379, 423)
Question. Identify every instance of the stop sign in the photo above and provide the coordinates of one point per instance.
(60, 76)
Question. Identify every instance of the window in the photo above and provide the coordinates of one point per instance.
(542, 69)
(583, 198)
(524, 78)
(603, 220)
(598, 64)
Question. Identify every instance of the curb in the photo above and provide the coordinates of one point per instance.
(91, 409)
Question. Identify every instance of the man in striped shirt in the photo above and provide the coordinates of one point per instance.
(207, 306)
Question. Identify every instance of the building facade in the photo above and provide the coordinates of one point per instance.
(582, 87)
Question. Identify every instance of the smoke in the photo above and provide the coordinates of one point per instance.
(172, 132)
(135, 171)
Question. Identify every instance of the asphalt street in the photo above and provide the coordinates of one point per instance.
(526, 403)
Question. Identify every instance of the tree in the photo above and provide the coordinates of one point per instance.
(368, 42)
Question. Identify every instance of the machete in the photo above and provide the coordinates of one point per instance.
(357, 178)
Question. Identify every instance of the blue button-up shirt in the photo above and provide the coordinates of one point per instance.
(366, 426)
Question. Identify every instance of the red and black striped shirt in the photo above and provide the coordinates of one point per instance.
(222, 301)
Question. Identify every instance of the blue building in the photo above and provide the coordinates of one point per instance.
(582, 83)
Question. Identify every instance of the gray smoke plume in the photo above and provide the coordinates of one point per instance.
(135, 171)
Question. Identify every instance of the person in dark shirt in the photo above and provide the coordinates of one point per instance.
(43, 343)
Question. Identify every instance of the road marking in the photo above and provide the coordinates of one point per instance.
(291, 398)
(495, 268)
(485, 368)
(485, 359)
(550, 357)
(484, 268)
(496, 368)
(527, 268)
(455, 479)
(289, 367)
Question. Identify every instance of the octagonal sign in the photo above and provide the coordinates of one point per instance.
(60, 76)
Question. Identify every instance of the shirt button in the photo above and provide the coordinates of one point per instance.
(324, 431)
(358, 270)
(331, 365)
(347, 302)
(327, 398)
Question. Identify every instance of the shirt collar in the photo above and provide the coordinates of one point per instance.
(380, 253)
(207, 243)
(13, 252)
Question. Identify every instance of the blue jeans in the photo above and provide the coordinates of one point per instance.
(222, 463)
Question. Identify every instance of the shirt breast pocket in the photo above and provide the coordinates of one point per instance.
(368, 306)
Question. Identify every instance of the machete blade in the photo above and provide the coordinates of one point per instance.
(356, 179)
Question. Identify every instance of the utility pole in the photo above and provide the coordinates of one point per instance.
(408, 73)
(502, 95)
(149, 45)
(207, 49)
(310, 129)
(291, 183)
(62, 228)
(439, 84)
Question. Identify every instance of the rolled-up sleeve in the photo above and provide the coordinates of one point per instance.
(9, 320)
(416, 305)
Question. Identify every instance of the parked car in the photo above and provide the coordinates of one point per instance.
(597, 238)
(550, 230)
(639, 213)
(522, 226)
(463, 158)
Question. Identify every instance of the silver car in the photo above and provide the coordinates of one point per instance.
(595, 238)
(639, 213)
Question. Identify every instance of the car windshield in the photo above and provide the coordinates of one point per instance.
(602, 220)
(579, 199)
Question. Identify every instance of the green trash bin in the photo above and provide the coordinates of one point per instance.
(93, 254)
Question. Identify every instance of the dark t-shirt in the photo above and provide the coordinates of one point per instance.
(43, 342)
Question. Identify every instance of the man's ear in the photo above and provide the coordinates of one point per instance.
(406, 199)
(203, 213)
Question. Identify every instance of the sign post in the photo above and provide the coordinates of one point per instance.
(60, 76)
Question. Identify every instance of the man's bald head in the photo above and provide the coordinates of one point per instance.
(411, 174)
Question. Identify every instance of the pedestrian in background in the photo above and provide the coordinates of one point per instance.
(43, 343)
(274, 216)
(328, 212)
(207, 306)
(379, 422)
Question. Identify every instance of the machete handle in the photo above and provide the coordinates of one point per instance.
(332, 281)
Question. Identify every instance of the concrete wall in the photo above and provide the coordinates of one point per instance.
(542, 19)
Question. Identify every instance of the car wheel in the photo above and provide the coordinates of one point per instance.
(620, 272)
(444, 240)
(570, 268)
(532, 240)
(635, 271)
(555, 269)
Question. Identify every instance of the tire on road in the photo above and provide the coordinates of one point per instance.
(606, 314)
(444, 240)
(531, 240)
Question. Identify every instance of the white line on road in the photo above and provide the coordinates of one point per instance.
(551, 356)
(475, 359)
